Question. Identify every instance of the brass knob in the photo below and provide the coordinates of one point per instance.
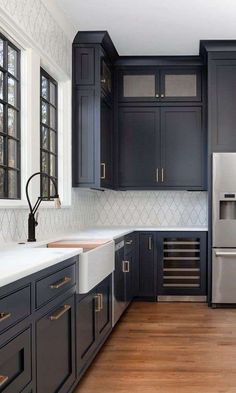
(157, 95)
(162, 95)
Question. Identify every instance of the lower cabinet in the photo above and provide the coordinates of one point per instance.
(15, 363)
(93, 322)
(147, 265)
(55, 348)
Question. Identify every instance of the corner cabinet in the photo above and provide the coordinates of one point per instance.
(161, 148)
(92, 132)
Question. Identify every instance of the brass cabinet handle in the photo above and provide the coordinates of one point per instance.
(103, 167)
(97, 303)
(162, 175)
(60, 283)
(157, 175)
(150, 243)
(101, 301)
(128, 242)
(3, 379)
(61, 311)
(125, 266)
(4, 316)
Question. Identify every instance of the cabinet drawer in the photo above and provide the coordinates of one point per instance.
(15, 363)
(51, 286)
(14, 307)
(129, 242)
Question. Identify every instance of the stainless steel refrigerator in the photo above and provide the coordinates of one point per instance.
(224, 228)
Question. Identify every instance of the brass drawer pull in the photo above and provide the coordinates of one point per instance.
(103, 167)
(125, 266)
(60, 283)
(101, 301)
(157, 175)
(61, 311)
(129, 242)
(4, 316)
(3, 379)
(97, 303)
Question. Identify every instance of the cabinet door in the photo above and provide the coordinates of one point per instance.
(106, 79)
(55, 349)
(222, 101)
(106, 144)
(85, 329)
(83, 147)
(183, 158)
(139, 147)
(181, 263)
(180, 85)
(139, 85)
(147, 270)
(15, 363)
(104, 316)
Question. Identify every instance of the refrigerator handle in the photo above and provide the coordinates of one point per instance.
(225, 253)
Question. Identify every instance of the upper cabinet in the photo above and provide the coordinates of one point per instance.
(160, 84)
(92, 135)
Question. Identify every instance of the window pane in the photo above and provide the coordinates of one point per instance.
(1, 53)
(44, 113)
(12, 91)
(12, 122)
(1, 85)
(12, 153)
(52, 117)
(44, 88)
(1, 150)
(12, 184)
(45, 166)
(52, 165)
(45, 187)
(12, 60)
(52, 141)
(52, 93)
(45, 138)
(2, 177)
(1, 118)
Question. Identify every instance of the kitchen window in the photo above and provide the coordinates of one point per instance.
(48, 133)
(9, 120)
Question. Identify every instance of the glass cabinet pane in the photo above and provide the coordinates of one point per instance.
(139, 86)
(180, 85)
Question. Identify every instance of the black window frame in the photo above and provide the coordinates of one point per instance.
(50, 129)
(6, 106)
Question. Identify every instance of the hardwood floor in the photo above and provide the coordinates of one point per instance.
(167, 348)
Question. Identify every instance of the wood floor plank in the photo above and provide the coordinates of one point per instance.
(167, 348)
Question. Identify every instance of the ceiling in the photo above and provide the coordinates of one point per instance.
(155, 27)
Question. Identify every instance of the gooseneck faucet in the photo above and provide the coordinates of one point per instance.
(32, 222)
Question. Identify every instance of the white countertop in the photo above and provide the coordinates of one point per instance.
(20, 260)
(15, 265)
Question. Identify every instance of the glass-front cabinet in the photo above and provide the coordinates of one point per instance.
(160, 84)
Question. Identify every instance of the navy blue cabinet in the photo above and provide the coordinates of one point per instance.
(93, 322)
(147, 265)
(161, 148)
(55, 345)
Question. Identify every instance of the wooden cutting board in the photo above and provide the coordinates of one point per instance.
(88, 244)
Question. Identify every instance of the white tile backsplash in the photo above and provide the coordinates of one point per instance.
(150, 208)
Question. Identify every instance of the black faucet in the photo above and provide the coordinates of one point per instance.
(32, 222)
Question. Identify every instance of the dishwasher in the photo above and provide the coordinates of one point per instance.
(119, 297)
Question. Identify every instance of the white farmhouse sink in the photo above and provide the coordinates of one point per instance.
(95, 263)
